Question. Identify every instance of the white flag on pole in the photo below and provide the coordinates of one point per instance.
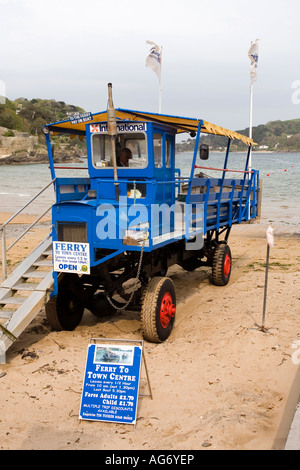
(253, 56)
(153, 60)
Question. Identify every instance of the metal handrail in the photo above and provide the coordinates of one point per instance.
(224, 169)
(3, 227)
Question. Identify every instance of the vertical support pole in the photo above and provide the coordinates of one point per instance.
(252, 194)
(50, 155)
(247, 160)
(194, 162)
(188, 214)
(226, 158)
(231, 202)
(244, 182)
(222, 183)
(265, 290)
(270, 240)
(208, 186)
(250, 124)
(250, 136)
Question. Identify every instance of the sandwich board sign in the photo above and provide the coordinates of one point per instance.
(111, 381)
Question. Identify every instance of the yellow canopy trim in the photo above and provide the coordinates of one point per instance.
(181, 124)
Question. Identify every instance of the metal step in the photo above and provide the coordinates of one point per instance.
(13, 300)
(47, 253)
(35, 274)
(26, 286)
(6, 314)
(27, 263)
(26, 307)
(44, 262)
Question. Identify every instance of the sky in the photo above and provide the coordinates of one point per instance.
(69, 50)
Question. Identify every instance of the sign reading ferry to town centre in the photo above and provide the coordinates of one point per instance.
(69, 257)
(111, 383)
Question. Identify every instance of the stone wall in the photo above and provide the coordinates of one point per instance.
(20, 142)
(24, 149)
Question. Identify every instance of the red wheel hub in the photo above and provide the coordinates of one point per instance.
(227, 265)
(167, 310)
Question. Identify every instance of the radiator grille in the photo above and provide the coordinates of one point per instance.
(71, 232)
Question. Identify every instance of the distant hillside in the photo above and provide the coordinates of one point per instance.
(29, 116)
(283, 136)
(280, 136)
(21, 138)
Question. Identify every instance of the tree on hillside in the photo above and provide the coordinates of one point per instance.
(9, 119)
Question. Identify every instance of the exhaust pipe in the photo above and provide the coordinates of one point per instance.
(112, 131)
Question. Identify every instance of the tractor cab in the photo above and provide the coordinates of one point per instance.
(145, 157)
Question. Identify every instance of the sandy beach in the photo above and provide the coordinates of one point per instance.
(218, 383)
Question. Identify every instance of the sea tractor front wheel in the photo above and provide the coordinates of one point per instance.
(158, 309)
(221, 265)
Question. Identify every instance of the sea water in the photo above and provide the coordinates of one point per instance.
(280, 173)
(20, 183)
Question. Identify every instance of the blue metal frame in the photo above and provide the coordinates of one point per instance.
(50, 155)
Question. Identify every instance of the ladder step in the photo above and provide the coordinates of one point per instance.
(44, 262)
(6, 313)
(25, 286)
(35, 274)
(13, 300)
(47, 253)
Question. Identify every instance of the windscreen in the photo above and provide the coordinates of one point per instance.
(131, 150)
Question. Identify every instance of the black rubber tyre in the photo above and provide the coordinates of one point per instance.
(65, 311)
(158, 309)
(221, 265)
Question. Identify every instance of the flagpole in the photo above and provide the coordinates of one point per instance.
(253, 56)
(250, 136)
(250, 124)
(160, 86)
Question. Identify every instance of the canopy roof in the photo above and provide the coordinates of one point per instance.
(181, 124)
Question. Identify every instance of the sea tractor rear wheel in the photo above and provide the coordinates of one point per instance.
(158, 309)
(221, 265)
(65, 311)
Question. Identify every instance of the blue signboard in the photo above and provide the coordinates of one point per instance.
(81, 117)
(111, 382)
